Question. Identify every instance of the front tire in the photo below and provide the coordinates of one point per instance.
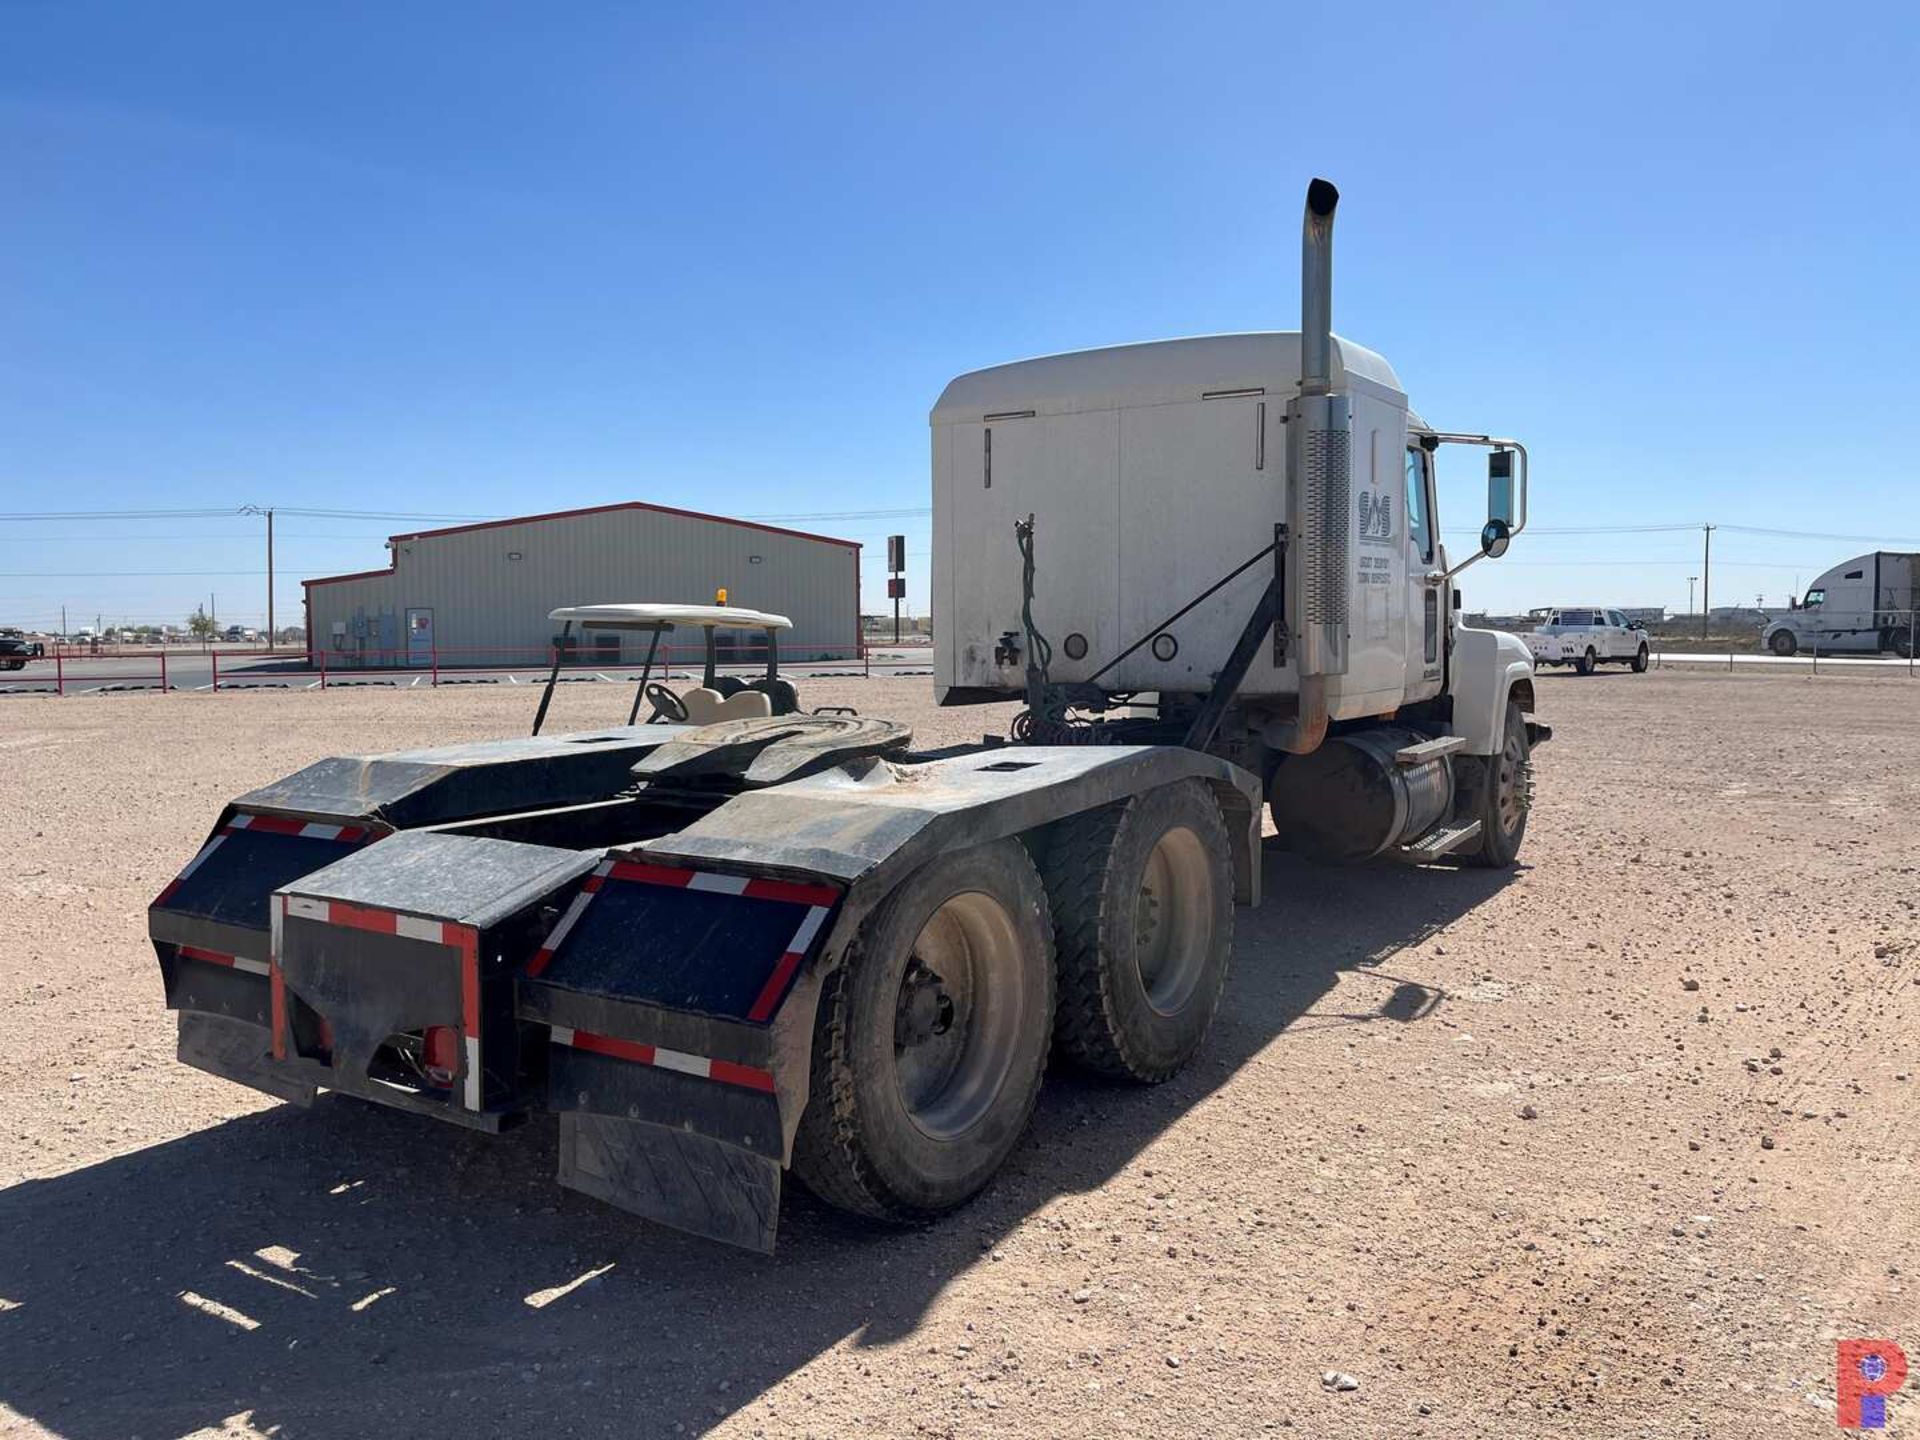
(1503, 796)
(1143, 923)
(1784, 643)
(931, 1039)
(1640, 661)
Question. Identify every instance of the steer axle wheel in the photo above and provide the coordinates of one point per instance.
(1502, 793)
(1143, 919)
(931, 1039)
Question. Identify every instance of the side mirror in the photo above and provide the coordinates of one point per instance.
(1500, 504)
(1495, 536)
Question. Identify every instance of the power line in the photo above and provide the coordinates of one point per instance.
(232, 513)
(1815, 535)
(114, 574)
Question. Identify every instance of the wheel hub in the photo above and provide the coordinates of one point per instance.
(1173, 927)
(925, 1009)
(956, 1016)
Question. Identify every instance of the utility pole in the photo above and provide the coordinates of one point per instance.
(266, 510)
(1706, 579)
(1691, 580)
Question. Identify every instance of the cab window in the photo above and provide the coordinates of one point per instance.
(1419, 522)
(1814, 597)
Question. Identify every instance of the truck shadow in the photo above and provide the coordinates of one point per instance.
(348, 1271)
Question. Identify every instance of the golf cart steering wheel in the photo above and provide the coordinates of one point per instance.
(666, 705)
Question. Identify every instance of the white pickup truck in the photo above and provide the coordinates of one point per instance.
(1584, 636)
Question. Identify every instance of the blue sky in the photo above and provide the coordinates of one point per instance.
(490, 259)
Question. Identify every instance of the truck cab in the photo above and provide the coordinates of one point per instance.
(1864, 605)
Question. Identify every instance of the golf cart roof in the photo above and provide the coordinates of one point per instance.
(665, 617)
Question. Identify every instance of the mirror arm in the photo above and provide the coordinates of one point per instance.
(1433, 439)
(1492, 442)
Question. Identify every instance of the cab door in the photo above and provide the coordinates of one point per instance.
(1619, 636)
(1426, 610)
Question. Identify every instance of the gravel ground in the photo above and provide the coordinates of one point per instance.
(1617, 1144)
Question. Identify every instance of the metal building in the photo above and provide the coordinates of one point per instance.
(472, 595)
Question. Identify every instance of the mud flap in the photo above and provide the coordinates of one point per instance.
(235, 1050)
(675, 1177)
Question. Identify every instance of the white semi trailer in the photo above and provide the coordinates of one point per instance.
(721, 951)
(1866, 604)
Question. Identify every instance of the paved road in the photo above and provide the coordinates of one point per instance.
(1674, 657)
(194, 671)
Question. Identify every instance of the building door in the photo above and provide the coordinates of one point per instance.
(420, 637)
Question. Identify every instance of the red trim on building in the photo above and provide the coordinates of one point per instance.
(356, 575)
(593, 510)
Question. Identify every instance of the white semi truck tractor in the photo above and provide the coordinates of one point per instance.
(1232, 543)
(737, 940)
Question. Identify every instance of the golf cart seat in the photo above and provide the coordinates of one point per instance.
(717, 699)
(710, 707)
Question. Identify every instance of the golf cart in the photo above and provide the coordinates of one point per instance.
(718, 697)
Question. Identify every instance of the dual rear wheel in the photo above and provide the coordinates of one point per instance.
(933, 1033)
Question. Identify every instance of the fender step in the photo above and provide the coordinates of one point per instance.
(1442, 840)
(1429, 750)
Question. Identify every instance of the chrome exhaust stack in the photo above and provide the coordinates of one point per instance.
(1319, 489)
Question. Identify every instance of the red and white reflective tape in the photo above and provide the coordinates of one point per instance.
(463, 938)
(543, 957)
(232, 962)
(305, 829)
(753, 887)
(784, 968)
(819, 900)
(727, 1072)
(265, 825)
(192, 865)
(381, 922)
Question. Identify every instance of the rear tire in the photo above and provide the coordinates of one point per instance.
(1584, 665)
(1142, 904)
(931, 1038)
(1503, 795)
(1784, 643)
(1640, 661)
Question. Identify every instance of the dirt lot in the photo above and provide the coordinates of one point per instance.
(1714, 1183)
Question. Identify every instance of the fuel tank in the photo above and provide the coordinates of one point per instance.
(1351, 799)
